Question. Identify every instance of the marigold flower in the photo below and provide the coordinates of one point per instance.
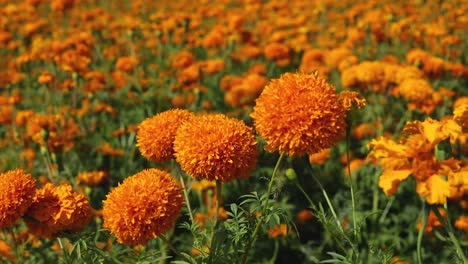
(17, 189)
(299, 114)
(278, 231)
(155, 136)
(320, 157)
(144, 206)
(93, 178)
(304, 216)
(462, 223)
(57, 209)
(432, 221)
(215, 147)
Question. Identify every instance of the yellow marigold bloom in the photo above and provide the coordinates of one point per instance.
(144, 206)
(17, 189)
(416, 89)
(215, 147)
(57, 209)
(299, 114)
(155, 136)
(93, 178)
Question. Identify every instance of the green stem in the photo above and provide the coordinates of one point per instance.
(216, 222)
(251, 241)
(64, 251)
(353, 203)
(184, 189)
(449, 230)
(425, 214)
(275, 253)
(173, 249)
(315, 209)
(338, 223)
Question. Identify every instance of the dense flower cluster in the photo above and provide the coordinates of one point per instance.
(17, 189)
(144, 206)
(216, 147)
(58, 209)
(301, 114)
(155, 136)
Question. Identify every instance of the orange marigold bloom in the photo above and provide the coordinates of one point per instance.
(17, 189)
(299, 114)
(432, 221)
(276, 51)
(278, 231)
(462, 223)
(144, 206)
(125, 64)
(57, 209)
(155, 136)
(216, 147)
(320, 157)
(304, 216)
(93, 178)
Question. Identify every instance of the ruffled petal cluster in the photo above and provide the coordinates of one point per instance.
(155, 136)
(58, 209)
(17, 189)
(215, 147)
(144, 206)
(300, 114)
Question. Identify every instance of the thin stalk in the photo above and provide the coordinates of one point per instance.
(15, 244)
(217, 203)
(184, 189)
(449, 230)
(425, 214)
(173, 249)
(353, 203)
(65, 253)
(340, 245)
(275, 253)
(387, 209)
(251, 241)
(328, 202)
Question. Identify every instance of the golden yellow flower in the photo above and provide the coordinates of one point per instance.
(144, 206)
(17, 189)
(155, 136)
(58, 209)
(215, 147)
(299, 114)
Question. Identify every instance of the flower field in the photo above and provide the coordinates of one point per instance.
(233, 131)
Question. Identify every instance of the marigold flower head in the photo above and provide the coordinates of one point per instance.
(215, 147)
(278, 231)
(144, 206)
(155, 136)
(320, 157)
(17, 189)
(57, 209)
(299, 114)
(93, 178)
(462, 223)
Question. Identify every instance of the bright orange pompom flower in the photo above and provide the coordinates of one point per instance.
(300, 114)
(57, 209)
(156, 135)
(215, 147)
(17, 189)
(144, 206)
